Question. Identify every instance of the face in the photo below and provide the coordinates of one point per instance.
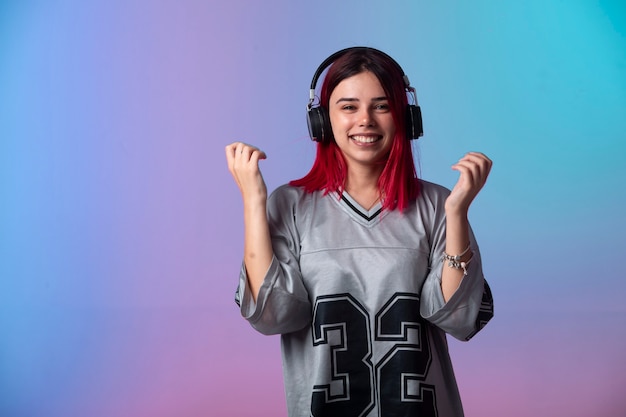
(361, 120)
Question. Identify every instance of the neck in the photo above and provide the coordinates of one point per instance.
(364, 189)
(363, 177)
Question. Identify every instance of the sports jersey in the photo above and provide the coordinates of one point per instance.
(356, 296)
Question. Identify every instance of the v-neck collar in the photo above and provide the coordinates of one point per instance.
(356, 208)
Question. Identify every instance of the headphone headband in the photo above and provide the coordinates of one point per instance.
(328, 61)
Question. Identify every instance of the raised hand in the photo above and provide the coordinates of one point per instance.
(474, 168)
(243, 164)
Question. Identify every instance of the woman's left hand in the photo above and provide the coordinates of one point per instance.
(474, 168)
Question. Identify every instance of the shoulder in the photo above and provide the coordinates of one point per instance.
(430, 191)
(291, 206)
(429, 206)
(290, 198)
(287, 193)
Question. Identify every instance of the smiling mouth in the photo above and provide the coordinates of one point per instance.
(366, 139)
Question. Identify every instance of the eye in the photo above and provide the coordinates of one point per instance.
(382, 107)
(348, 107)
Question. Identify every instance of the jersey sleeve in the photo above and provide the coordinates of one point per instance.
(471, 306)
(282, 305)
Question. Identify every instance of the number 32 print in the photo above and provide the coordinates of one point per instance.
(342, 325)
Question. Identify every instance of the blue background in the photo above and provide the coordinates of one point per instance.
(121, 229)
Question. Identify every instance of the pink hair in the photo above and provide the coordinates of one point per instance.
(397, 182)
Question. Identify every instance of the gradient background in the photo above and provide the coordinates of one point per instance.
(121, 229)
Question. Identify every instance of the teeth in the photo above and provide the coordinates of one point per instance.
(365, 139)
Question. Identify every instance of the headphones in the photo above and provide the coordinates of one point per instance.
(318, 119)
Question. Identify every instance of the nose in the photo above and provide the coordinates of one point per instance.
(365, 118)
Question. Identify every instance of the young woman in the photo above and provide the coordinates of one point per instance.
(360, 266)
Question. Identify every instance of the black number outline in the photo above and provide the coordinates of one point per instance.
(402, 365)
(355, 389)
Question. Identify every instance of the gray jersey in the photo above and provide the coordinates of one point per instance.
(356, 296)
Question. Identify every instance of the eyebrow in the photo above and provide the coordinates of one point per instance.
(349, 99)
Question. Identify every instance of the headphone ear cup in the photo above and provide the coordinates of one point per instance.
(319, 124)
(414, 128)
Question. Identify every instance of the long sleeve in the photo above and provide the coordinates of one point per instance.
(282, 305)
(471, 306)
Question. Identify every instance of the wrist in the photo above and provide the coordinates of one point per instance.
(460, 213)
(254, 200)
(457, 220)
(460, 260)
(253, 210)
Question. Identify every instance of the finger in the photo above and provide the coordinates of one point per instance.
(259, 154)
(240, 149)
(242, 155)
(476, 158)
(230, 150)
(235, 149)
(250, 153)
(481, 156)
(230, 155)
(469, 164)
(466, 174)
(238, 154)
(478, 163)
(481, 159)
(474, 173)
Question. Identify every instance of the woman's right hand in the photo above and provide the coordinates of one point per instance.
(243, 164)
